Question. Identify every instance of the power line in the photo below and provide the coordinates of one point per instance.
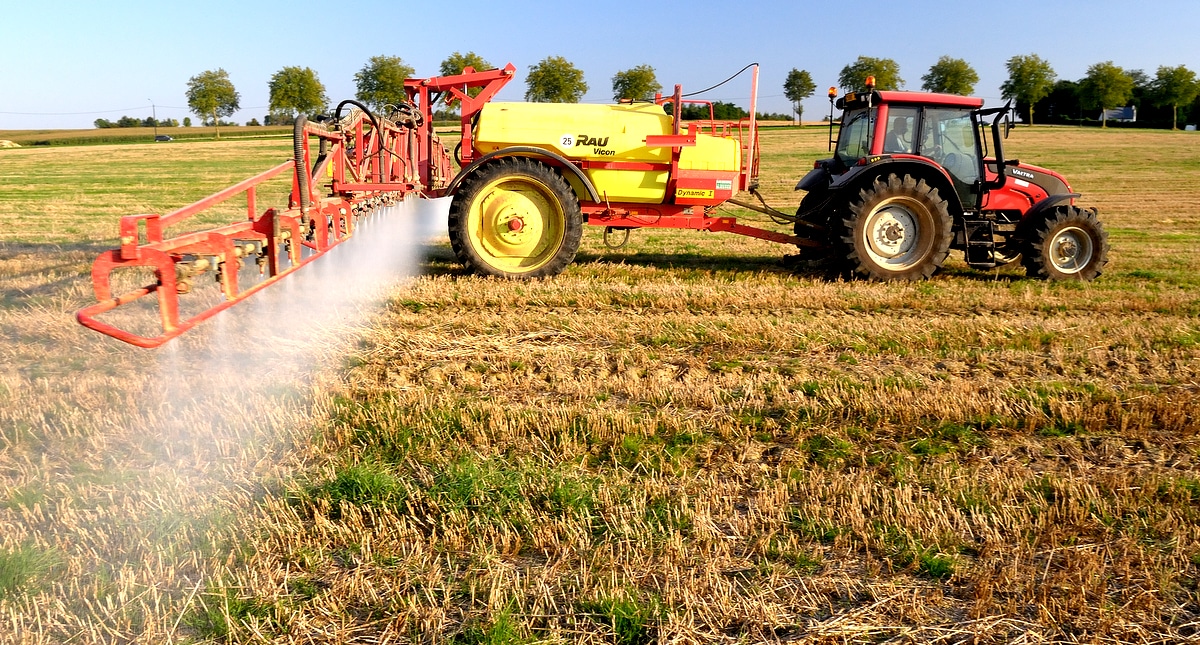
(129, 109)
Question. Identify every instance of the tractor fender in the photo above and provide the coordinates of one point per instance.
(526, 151)
(1047, 205)
(859, 177)
(816, 179)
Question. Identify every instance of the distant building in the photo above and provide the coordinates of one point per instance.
(1127, 114)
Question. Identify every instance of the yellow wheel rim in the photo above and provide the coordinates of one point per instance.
(516, 224)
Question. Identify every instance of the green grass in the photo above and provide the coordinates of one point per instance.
(367, 484)
(500, 630)
(51, 201)
(223, 614)
(24, 568)
(632, 621)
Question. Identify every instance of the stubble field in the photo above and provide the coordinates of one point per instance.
(679, 441)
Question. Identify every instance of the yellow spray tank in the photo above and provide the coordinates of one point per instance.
(613, 145)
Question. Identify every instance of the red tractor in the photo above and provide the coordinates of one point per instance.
(912, 178)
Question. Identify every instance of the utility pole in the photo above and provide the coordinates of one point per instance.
(154, 117)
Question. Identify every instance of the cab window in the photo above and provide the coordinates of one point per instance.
(900, 137)
(854, 140)
(948, 137)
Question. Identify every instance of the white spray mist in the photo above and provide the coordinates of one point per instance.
(228, 383)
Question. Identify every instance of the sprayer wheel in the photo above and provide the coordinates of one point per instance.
(515, 218)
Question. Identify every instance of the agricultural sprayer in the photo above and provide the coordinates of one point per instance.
(912, 177)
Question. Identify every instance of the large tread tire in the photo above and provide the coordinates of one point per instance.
(515, 218)
(1068, 243)
(899, 229)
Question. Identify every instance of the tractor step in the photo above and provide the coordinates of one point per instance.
(979, 243)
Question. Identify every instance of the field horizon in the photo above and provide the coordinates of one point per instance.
(681, 440)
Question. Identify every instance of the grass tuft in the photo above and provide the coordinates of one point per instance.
(223, 614)
(502, 629)
(22, 569)
(632, 621)
(365, 484)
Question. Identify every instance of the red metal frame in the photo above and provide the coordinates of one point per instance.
(364, 162)
(276, 236)
(490, 82)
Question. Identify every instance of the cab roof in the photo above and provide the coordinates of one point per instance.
(858, 99)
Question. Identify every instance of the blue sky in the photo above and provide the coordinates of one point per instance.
(102, 59)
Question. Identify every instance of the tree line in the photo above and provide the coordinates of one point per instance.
(211, 95)
(134, 122)
(1031, 84)
(1035, 88)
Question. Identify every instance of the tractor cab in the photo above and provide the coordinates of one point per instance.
(936, 129)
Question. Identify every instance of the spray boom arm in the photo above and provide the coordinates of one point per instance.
(363, 159)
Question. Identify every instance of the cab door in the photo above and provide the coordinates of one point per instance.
(948, 138)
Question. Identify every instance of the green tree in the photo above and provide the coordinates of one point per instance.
(554, 80)
(187, 121)
(886, 71)
(796, 87)
(457, 63)
(1176, 87)
(721, 111)
(296, 90)
(950, 76)
(1106, 86)
(211, 94)
(637, 83)
(1030, 79)
(381, 82)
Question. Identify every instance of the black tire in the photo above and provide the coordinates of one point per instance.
(900, 229)
(813, 209)
(515, 218)
(1068, 243)
(822, 209)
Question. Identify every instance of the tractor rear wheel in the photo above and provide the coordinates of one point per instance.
(515, 218)
(1067, 244)
(899, 230)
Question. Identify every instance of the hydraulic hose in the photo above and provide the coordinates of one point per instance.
(337, 114)
(298, 137)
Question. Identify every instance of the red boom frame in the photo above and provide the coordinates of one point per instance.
(364, 161)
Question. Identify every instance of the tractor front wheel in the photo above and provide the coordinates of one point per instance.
(899, 230)
(1067, 244)
(515, 218)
